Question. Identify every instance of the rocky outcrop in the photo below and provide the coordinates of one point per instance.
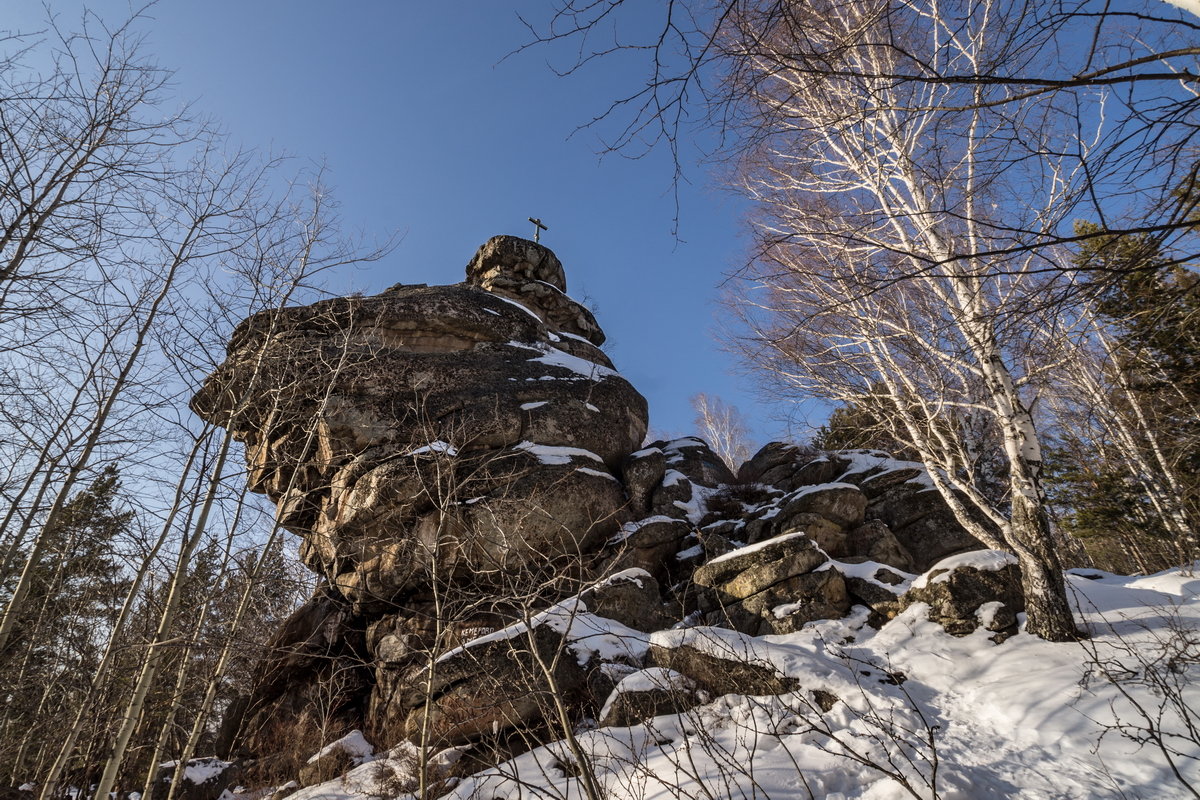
(772, 587)
(500, 550)
(313, 677)
(371, 421)
(464, 434)
(920, 528)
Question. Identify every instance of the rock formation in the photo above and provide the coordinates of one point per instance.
(465, 469)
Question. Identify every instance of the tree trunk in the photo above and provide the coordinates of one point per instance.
(1048, 614)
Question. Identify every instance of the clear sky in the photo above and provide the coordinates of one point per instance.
(428, 131)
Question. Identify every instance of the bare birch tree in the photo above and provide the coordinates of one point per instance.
(724, 428)
(863, 183)
(917, 168)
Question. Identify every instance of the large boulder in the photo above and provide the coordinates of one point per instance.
(771, 587)
(648, 693)
(504, 682)
(313, 678)
(465, 436)
(372, 421)
(717, 664)
(972, 590)
(459, 460)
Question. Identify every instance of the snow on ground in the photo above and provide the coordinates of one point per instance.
(199, 770)
(918, 713)
(388, 776)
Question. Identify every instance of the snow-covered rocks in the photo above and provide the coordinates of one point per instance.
(465, 434)
(898, 494)
(771, 587)
(649, 693)
(718, 661)
(972, 590)
(202, 778)
(373, 421)
(337, 757)
(462, 465)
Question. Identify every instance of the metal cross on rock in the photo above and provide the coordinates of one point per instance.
(538, 227)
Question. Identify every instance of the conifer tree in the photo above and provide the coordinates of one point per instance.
(48, 661)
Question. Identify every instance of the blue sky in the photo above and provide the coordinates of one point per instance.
(428, 131)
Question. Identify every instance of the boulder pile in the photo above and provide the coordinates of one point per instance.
(503, 557)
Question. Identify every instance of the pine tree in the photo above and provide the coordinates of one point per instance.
(48, 662)
(1148, 305)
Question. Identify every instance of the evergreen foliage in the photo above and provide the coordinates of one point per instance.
(1150, 305)
(48, 663)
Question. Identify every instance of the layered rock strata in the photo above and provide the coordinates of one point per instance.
(429, 435)
(421, 423)
(500, 553)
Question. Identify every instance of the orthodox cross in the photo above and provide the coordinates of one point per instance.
(538, 227)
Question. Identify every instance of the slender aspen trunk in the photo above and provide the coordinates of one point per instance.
(97, 430)
(164, 732)
(49, 783)
(210, 693)
(149, 670)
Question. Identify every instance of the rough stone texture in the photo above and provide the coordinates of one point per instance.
(772, 588)
(314, 671)
(665, 692)
(881, 594)
(349, 409)
(932, 536)
(915, 515)
(632, 598)
(401, 644)
(494, 686)
(339, 402)
(510, 260)
(649, 544)
(642, 472)
(221, 774)
(331, 761)
(791, 555)
(828, 535)
(955, 600)
(693, 457)
(840, 503)
(529, 273)
(458, 458)
(465, 434)
(529, 515)
(875, 541)
(788, 467)
(720, 675)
